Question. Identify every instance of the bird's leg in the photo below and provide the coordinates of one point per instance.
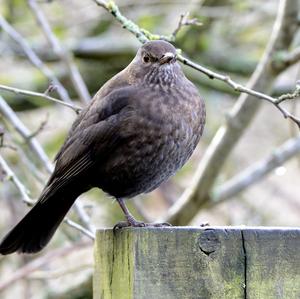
(131, 220)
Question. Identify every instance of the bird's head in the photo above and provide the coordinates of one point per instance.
(157, 53)
(155, 62)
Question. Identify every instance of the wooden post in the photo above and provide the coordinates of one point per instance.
(197, 263)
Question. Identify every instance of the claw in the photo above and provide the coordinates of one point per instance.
(135, 223)
(131, 222)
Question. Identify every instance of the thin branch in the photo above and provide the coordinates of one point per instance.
(113, 9)
(35, 146)
(101, 3)
(144, 35)
(197, 194)
(256, 172)
(10, 175)
(35, 60)
(242, 113)
(289, 96)
(39, 262)
(44, 96)
(242, 89)
(84, 217)
(41, 127)
(80, 228)
(225, 78)
(46, 274)
(62, 53)
(184, 21)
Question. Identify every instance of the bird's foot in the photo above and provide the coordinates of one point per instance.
(204, 224)
(131, 222)
(123, 224)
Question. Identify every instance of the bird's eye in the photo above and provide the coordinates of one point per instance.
(146, 59)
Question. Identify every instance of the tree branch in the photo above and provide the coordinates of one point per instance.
(243, 89)
(256, 172)
(197, 194)
(62, 53)
(44, 96)
(35, 60)
(144, 35)
(242, 113)
(39, 262)
(35, 146)
(184, 21)
(10, 176)
(80, 228)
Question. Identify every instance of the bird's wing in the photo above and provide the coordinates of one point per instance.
(95, 137)
(118, 82)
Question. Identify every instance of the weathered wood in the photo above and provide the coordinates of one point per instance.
(197, 263)
(272, 263)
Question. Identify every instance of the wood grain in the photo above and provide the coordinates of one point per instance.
(197, 263)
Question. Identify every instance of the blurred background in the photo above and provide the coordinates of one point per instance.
(262, 168)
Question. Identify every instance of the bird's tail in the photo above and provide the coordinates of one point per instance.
(36, 229)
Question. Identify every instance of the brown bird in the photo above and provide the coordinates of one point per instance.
(141, 127)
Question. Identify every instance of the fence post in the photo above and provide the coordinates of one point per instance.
(197, 263)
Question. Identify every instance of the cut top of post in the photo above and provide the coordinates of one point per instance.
(197, 263)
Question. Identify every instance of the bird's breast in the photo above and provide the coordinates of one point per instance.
(160, 135)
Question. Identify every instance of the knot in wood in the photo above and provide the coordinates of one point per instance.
(209, 241)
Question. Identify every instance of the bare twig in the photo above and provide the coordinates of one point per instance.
(197, 194)
(84, 217)
(10, 175)
(46, 274)
(3, 144)
(80, 228)
(44, 96)
(41, 127)
(289, 96)
(39, 262)
(101, 3)
(243, 89)
(113, 9)
(35, 60)
(35, 146)
(144, 35)
(61, 52)
(244, 110)
(256, 172)
(184, 21)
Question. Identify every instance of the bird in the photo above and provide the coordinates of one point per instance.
(140, 128)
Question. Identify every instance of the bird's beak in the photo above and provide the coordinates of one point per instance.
(167, 57)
